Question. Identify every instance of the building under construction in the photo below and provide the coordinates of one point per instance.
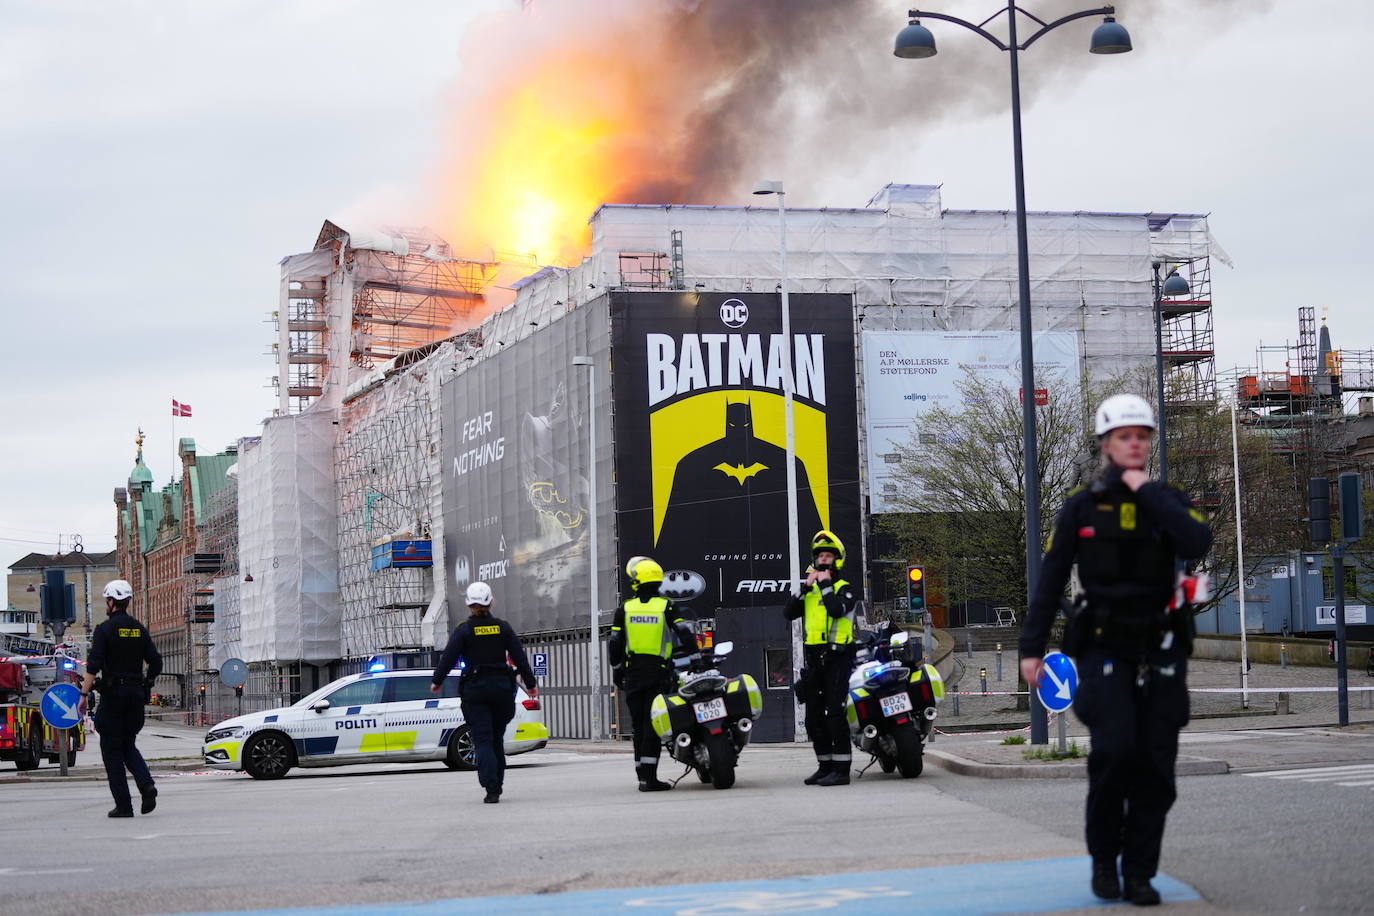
(418, 448)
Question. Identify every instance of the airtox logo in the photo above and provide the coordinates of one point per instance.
(682, 585)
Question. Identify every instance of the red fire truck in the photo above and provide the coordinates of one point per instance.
(24, 737)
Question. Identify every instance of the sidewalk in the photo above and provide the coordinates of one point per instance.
(165, 746)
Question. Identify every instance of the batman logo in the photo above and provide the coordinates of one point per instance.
(739, 471)
(682, 585)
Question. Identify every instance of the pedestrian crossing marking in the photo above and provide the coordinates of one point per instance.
(1356, 775)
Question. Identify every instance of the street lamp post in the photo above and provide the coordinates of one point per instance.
(1174, 285)
(793, 553)
(916, 41)
(593, 557)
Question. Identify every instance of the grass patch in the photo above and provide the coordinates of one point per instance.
(1014, 739)
(1052, 752)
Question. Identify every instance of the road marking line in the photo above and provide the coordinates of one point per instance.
(1315, 771)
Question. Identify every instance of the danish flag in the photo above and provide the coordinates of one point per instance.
(179, 409)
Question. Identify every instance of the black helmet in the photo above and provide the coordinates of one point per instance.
(826, 540)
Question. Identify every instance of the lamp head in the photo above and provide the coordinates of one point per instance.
(1110, 37)
(1174, 285)
(768, 187)
(916, 41)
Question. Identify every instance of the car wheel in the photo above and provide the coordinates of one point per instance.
(268, 755)
(462, 754)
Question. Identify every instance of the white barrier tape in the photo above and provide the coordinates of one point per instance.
(1010, 731)
(986, 693)
(1274, 689)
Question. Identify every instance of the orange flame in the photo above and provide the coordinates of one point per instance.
(542, 147)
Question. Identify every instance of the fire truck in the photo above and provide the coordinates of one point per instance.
(27, 668)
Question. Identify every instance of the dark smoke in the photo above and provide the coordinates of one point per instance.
(765, 81)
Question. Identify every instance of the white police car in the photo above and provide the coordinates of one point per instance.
(385, 716)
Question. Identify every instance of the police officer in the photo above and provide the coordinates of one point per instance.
(826, 606)
(487, 688)
(1127, 533)
(641, 651)
(119, 648)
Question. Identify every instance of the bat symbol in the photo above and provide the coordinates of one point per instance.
(739, 471)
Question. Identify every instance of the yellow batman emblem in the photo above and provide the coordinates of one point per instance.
(739, 471)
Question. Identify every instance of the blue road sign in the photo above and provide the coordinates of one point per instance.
(1058, 683)
(59, 705)
(540, 663)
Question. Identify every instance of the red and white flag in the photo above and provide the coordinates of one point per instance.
(179, 409)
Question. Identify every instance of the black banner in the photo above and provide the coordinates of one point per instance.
(701, 479)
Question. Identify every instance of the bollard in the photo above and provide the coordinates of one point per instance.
(1063, 730)
(983, 679)
(955, 711)
(968, 641)
(999, 663)
(1283, 655)
(1282, 706)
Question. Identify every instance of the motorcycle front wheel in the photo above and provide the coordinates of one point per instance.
(721, 751)
(910, 754)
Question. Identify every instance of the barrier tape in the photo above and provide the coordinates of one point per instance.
(38, 659)
(986, 693)
(1010, 731)
(1275, 689)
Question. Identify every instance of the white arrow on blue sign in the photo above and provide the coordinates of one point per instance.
(1058, 683)
(59, 706)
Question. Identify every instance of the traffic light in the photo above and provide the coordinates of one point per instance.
(916, 589)
(202, 693)
(1352, 512)
(1319, 509)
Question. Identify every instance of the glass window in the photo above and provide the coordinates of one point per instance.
(779, 667)
(358, 693)
(450, 690)
(405, 689)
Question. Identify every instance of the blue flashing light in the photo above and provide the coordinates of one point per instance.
(69, 665)
(376, 663)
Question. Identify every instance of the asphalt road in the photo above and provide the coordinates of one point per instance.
(571, 828)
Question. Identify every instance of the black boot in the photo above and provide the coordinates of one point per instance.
(120, 812)
(822, 769)
(1140, 892)
(149, 800)
(838, 775)
(1106, 882)
(649, 781)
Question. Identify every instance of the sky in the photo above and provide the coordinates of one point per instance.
(160, 159)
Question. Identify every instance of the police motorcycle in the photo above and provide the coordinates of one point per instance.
(892, 701)
(707, 720)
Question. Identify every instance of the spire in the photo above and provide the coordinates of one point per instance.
(140, 475)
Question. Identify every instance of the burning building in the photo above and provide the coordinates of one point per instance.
(469, 455)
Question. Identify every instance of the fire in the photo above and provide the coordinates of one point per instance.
(544, 145)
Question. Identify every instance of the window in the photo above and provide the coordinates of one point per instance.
(1329, 584)
(358, 693)
(778, 664)
(405, 689)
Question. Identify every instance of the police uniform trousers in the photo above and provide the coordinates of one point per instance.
(118, 720)
(825, 721)
(1134, 731)
(639, 697)
(488, 701)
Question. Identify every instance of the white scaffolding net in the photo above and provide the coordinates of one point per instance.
(289, 609)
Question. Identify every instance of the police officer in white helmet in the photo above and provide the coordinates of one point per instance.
(488, 647)
(1127, 533)
(119, 649)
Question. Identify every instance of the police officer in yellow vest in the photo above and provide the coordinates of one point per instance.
(826, 606)
(641, 651)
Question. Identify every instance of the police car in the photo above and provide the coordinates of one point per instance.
(375, 717)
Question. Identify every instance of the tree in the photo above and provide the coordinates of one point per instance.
(959, 485)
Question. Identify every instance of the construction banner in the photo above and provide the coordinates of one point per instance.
(700, 430)
(517, 475)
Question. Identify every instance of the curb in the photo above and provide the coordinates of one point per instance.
(1190, 766)
(97, 774)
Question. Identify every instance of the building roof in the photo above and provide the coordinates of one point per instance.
(63, 560)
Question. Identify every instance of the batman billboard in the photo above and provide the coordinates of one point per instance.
(700, 428)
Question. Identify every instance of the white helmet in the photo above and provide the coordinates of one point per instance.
(479, 593)
(119, 590)
(1123, 410)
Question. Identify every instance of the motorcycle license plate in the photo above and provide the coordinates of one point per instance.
(710, 710)
(897, 703)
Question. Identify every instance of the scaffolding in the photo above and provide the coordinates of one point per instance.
(386, 463)
(359, 300)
